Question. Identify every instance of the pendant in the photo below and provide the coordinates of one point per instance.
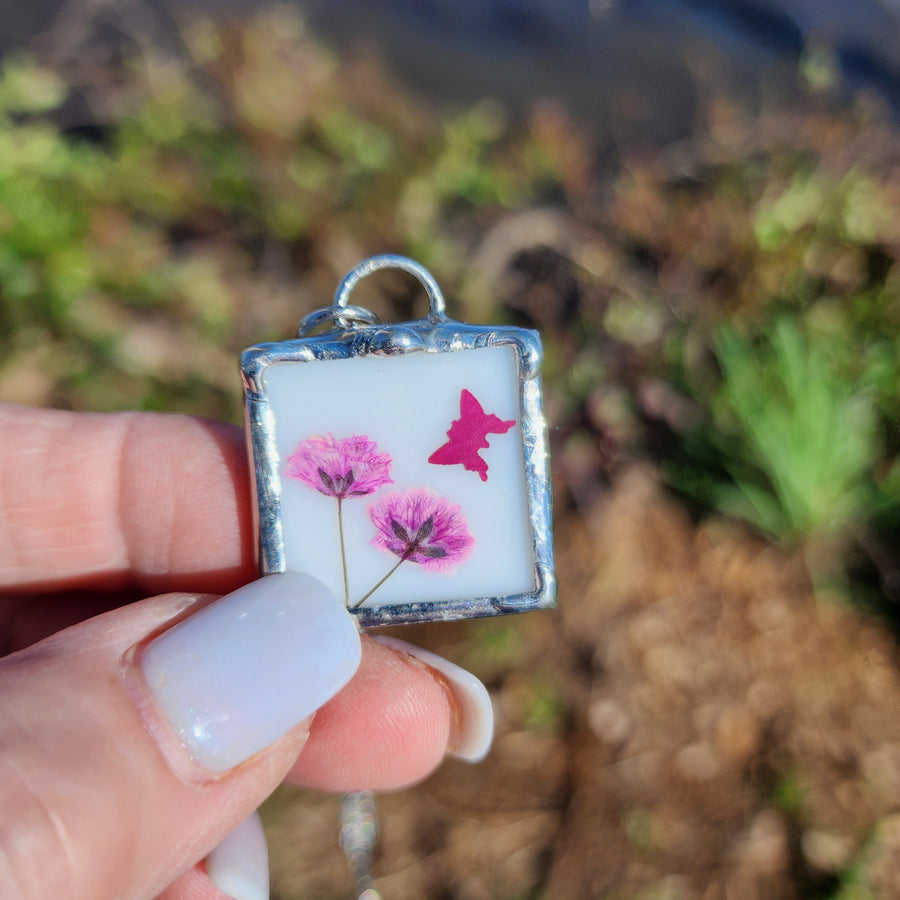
(405, 465)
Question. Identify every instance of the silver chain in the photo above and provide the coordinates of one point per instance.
(359, 832)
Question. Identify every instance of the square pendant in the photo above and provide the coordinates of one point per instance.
(404, 465)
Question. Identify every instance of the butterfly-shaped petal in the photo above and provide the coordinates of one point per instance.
(468, 435)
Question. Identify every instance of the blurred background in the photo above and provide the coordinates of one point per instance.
(696, 202)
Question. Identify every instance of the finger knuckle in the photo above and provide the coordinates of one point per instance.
(37, 858)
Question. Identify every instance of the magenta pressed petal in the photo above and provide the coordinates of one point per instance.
(347, 467)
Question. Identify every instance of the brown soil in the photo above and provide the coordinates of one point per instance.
(691, 723)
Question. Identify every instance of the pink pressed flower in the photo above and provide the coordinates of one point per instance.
(351, 467)
(421, 527)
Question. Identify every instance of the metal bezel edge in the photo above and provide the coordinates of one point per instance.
(422, 335)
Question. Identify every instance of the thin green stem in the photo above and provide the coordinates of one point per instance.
(343, 554)
(380, 583)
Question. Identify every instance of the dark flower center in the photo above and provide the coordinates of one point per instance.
(414, 543)
(339, 485)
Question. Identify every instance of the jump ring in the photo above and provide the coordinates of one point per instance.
(345, 316)
(390, 261)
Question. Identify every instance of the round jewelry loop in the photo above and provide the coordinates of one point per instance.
(436, 306)
(344, 316)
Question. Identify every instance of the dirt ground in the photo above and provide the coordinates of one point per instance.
(690, 723)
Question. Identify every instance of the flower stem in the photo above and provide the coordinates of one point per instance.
(343, 554)
(380, 583)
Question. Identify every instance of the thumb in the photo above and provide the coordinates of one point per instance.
(129, 746)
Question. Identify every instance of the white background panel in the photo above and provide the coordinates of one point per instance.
(406, 405)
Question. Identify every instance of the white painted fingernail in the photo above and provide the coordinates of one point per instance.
(472, 737)
(239, 865)
(238, 674)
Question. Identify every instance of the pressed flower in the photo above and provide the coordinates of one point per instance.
(422, 527)
(340, 468)
(347, 467)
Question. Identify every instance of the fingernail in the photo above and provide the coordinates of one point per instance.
(238, 674)
(239, 865)
(471, 737)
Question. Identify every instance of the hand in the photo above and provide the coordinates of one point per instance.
(134, 738)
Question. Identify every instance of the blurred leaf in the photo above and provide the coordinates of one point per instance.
(804, 425)
(26, 87)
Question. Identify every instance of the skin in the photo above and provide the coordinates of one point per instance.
(113, 527)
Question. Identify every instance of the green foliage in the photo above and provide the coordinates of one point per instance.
(27, 88)
(43, 182)
(772, 322)
(545, 710)
(495, 650)
(802, 435)
(798, 439)
(128, 266)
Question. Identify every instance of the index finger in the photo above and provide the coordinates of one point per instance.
(122, 499)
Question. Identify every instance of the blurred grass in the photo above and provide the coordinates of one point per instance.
(797, 432)
(216, 179)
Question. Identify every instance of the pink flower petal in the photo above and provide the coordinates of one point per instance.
(421, 527)
(341, 468)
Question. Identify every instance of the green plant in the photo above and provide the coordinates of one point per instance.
(804, 435)
(132, 265)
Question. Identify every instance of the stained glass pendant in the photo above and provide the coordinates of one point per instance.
(405, 465)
